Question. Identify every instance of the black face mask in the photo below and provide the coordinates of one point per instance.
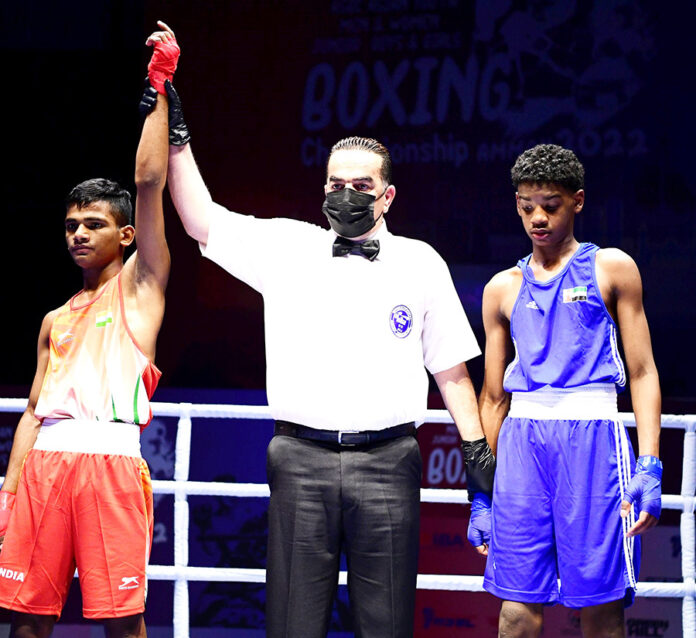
(350, 212)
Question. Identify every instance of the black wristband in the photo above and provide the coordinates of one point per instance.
(178, 131)
(480, 467)
(148, 99)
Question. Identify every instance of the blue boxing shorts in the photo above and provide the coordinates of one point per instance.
(563, 462)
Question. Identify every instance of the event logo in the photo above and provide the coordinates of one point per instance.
(480, 81)
(401, 321)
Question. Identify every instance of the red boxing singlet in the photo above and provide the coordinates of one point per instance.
(96, 369)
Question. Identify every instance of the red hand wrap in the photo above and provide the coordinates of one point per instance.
(7, 500)
(163, 64)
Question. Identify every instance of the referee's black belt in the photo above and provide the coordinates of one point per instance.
(344, 437)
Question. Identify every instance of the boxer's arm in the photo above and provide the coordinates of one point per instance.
(28, 426)
(635, 336)
(186, 186)
(494, 402)
(627, 289)
(145, 275)
(458, 393)
(152, 260)
(493, 407)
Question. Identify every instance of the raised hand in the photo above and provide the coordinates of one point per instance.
(164, 57)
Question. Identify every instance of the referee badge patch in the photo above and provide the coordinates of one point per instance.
(401, 321)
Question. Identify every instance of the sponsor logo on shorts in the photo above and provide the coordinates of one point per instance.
(579, 293)
(401, 321)
(532, 304)
(10, 574)
(129, 582)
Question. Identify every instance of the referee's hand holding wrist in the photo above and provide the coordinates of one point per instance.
(480, 467)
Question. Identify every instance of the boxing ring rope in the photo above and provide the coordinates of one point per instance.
(181, 572)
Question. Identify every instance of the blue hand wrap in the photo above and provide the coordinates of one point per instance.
(479, 531)
(645, 488)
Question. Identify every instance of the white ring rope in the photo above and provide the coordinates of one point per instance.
(181, 572)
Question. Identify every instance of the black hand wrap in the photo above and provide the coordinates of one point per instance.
(480, 467)
(148, 100)
(178, 131)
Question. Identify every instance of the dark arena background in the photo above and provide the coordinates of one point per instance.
(456, 89)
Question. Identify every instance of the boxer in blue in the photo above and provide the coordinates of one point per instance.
(569, 501)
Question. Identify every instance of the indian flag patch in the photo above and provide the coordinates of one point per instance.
(579, 293)
(103, 318)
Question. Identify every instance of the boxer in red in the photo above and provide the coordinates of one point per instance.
(77, 491)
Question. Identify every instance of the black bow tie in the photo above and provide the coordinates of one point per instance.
(368, 249)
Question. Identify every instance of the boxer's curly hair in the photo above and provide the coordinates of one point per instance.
(367, 144)
(549, 164)
(103, 190)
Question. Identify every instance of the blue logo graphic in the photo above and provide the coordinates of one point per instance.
(401, 321)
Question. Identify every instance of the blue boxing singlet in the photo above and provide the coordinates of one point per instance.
(563, 334)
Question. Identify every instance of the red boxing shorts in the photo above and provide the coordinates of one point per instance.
(93, 511)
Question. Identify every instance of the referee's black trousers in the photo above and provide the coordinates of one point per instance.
(366, 499)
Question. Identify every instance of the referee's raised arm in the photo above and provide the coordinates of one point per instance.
(189, 192)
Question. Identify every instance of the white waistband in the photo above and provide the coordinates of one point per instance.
(593, 401)
(89, 437)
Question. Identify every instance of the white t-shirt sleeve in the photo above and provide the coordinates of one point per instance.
(447, 335)
(248, 247)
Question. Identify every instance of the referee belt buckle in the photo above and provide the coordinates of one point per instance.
(342, 433)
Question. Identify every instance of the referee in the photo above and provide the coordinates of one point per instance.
(353, 317)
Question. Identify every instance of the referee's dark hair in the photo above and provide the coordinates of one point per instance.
(366, 144)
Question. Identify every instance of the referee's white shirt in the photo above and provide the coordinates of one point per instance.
(346, 339)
